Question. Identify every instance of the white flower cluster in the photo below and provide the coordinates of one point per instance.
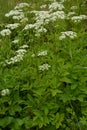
(42, 53)
(57, 15)
(24, 46)
(5, 32)
(42, 18)
(12, 26)
(55, 5)
(19, 17)
(13, 12)
(69, 34)
(38, 26)
(16, 14)
(15, 41)
(5, 92)
(44, 67)
(29, 26)
(69, 15)
(78, 18)
(21, 5)
(73, 7)
(43, 6)
(18, 57)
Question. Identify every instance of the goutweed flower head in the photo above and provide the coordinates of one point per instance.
(15, 41)
(19, 17)
(42, 53)
(69, 34)
(5, 92)
(17, 58)
(24, 46)
(13, 13)
(29, 26)
(21, 5)
(57, 15)
(44, 67)
(42, 18)
(21, 51)
(73, 7)
(12, 26)
(43, 6)
(42, 29)
(70, 14)
(5, 32)
(78, 18)
(55, 5)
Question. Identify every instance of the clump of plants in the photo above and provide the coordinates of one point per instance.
(43, 75)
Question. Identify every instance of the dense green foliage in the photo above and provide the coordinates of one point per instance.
(53, 97)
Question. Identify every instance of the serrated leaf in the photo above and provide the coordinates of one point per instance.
(59, 119)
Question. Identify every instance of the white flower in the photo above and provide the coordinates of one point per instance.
(55, 5)
(57, 15)
(42, 29)
(44, 67)
(69, 34)
(33, 55)
(42, 53)
(78, 18)
(43, 6)
(21, 5)
(21, 51)
(13, 12)
(73, 7)
(37, 35)
(12, 26)
(29, 26)
(62, 37)
(5, 32)
(15, 41)
(5, 92)
(17, 58)
(70, 14)
(19, 17)
(24, 46)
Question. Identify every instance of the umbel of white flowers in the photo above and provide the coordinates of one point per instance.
(5, 92)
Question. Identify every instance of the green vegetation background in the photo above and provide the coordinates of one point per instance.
(70, 110)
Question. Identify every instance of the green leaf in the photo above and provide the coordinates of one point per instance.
(14, 108)
(56, 91)
(65, 79)
(5, 121)
(83, 120)
(59, 119)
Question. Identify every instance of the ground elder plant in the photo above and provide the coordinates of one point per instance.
(43, 61)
